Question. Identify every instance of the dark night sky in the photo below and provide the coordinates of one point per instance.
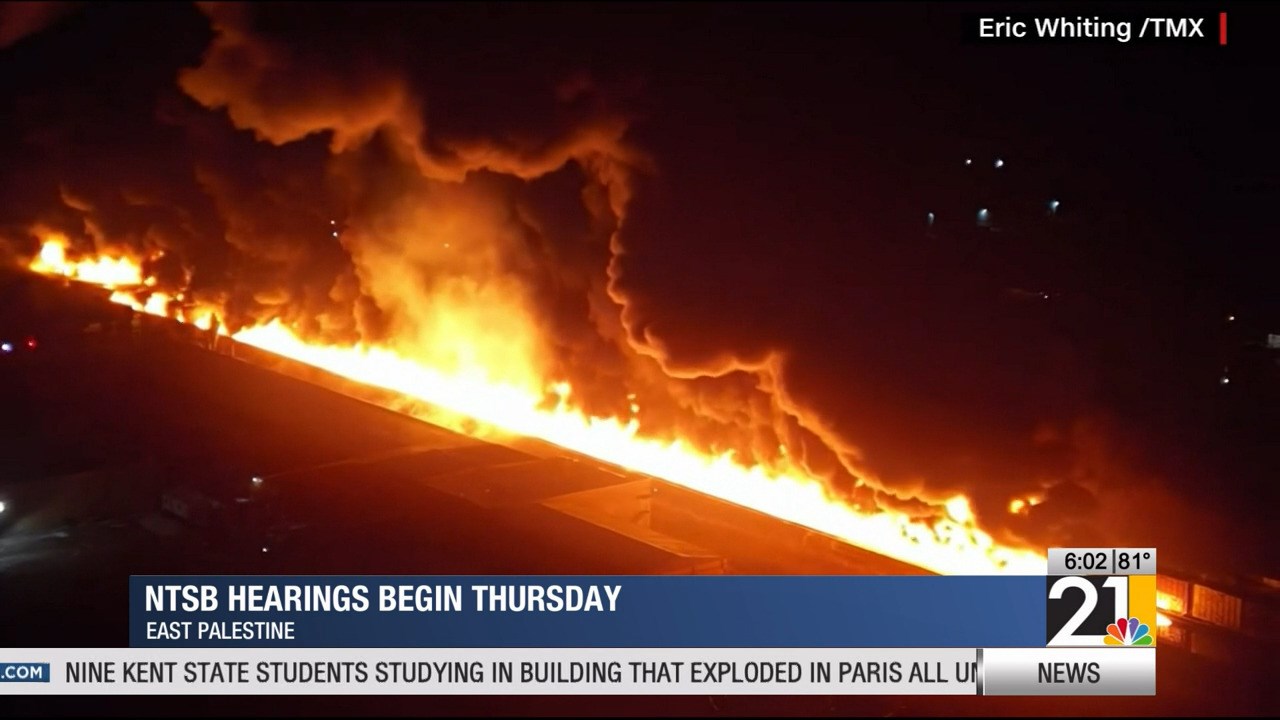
(795, 152)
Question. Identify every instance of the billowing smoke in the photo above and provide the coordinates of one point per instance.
(542, 216)
(492, 250)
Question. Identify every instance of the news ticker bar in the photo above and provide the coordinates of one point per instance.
(579, 671)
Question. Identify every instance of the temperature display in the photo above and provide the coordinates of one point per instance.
(1102, 561)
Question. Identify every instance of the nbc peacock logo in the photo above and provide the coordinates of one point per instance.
(1128, 632)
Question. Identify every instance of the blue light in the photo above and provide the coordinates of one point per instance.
(983, 215)
(1053, 206)
(6, 347)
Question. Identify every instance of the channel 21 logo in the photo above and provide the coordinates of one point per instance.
(1091, 610)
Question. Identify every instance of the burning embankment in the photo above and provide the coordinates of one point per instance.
(482, 249)
(468, 394)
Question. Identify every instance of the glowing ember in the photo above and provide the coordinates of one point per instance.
(1018, 506)
(952, 544)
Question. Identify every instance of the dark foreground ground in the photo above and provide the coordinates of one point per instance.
(104, 426)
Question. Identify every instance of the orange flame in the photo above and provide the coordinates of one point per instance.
(513, 400)
(1165, 601)
(105, 271)
(1170, 604)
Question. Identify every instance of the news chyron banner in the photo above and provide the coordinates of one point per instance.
(1084, 628)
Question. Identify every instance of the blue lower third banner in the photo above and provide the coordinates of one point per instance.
(586, 611)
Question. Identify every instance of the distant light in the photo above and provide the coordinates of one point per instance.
(335, 233)
(968, 161)
(1224, 380)
(1231, 318)
(983, 215)
(929, 218)
(3, 507)
(264, 549)
(1053, 206)
(999, 163)
(6, 347)
(333, 222)
(31, 343)
(257, 480)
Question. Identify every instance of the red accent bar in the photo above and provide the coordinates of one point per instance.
(1222, 28)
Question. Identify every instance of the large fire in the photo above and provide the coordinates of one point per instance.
(950, 546)
(466, 387)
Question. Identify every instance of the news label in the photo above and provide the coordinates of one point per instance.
(1069, 671)
(1163, 28)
